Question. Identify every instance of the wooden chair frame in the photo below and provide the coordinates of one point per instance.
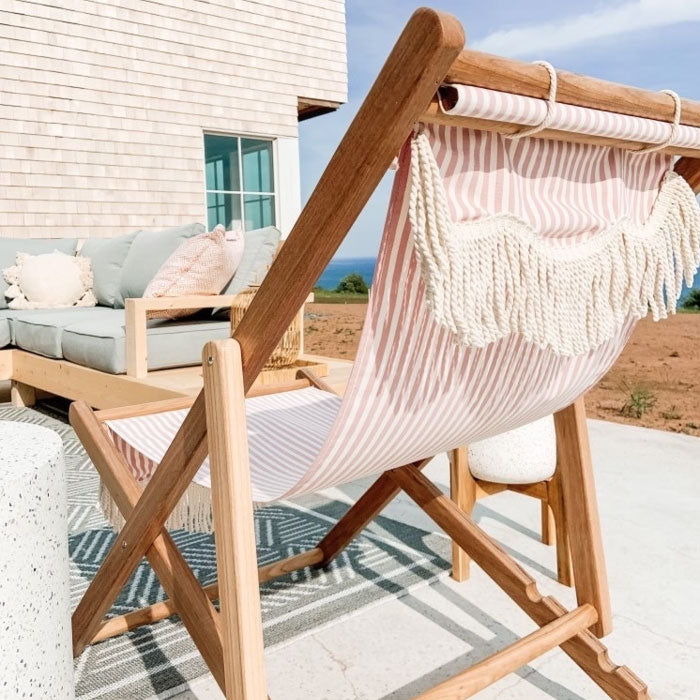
(428, 51)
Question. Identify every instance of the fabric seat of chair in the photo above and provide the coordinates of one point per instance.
(578, 255)
(285, 434)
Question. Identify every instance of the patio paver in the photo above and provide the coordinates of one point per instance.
(649, 490)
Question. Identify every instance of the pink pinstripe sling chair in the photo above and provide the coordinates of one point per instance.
(510, 274)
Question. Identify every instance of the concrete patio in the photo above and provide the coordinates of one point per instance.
(649, 490)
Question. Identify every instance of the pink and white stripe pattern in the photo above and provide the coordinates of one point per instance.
(566, 191)
(414, 392)
(497, 106)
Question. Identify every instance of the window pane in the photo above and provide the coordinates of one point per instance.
(257, 165)
(221, 155)
(224, 209)
(259, 211)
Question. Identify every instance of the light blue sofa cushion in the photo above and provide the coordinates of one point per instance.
(9, 247)
(107, 256)
(41, 330)
(148, 251)
(100, 344)
(5, 333)
(258, 253)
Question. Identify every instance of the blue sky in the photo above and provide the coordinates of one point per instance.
(649, 43)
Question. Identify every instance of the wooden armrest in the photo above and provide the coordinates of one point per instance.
(136, 317)
(192, 301)
(147, 409)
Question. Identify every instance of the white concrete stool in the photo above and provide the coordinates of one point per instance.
(525, 455)
(35, 632)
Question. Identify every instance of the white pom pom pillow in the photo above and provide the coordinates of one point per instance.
(49, 281)
(203, 264)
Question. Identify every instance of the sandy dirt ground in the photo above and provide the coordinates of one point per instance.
(658, 372)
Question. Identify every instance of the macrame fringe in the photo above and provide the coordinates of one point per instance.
(192, 513)
(494, 277)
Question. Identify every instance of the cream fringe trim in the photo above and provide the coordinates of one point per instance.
(490, 278)
(192, 513)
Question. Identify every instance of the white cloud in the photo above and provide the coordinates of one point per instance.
(538, 39)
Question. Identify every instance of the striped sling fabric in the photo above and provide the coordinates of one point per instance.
(414, 390)
(494, 105)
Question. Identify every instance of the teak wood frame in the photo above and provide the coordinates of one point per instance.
(231, 641)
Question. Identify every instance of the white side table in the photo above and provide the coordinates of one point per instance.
(35, 632)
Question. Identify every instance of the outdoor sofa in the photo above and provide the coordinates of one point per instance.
(100, 353)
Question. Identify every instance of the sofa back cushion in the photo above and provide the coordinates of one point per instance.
(258, 253)
(9, 247)
(107, 256)
(148, 251)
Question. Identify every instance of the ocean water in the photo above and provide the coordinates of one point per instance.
(340, 267)
(696, 285)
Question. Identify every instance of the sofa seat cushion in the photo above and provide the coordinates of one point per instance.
(5, 332)
(41, 330)
(100, 343)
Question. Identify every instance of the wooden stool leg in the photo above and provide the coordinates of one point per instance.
(581, 509)
(463, 493)
(232, 502)
(559, 529)
(548, 525)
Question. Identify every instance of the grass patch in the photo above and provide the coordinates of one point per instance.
(671, 414)
(327, 296)
(639, 401)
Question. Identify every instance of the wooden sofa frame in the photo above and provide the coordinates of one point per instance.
(428, 52)
(29, 372)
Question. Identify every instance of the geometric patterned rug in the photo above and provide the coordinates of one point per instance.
(387, 560)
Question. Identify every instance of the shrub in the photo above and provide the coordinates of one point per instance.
(352, 283)
(639, 402)
(671, 414)
(692, 301)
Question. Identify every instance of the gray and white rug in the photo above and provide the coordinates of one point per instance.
(388, 560)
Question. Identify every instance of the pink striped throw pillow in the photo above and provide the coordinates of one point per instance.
(203, 264)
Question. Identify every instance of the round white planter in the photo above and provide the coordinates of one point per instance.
(35, 633)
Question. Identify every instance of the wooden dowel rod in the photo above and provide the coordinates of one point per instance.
(117, 625)
(488, 671)
(508, 75)
(146, 409)
(435, 116)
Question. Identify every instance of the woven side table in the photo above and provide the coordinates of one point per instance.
(35, 633)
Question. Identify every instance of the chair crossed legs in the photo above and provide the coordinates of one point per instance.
(230, 640)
